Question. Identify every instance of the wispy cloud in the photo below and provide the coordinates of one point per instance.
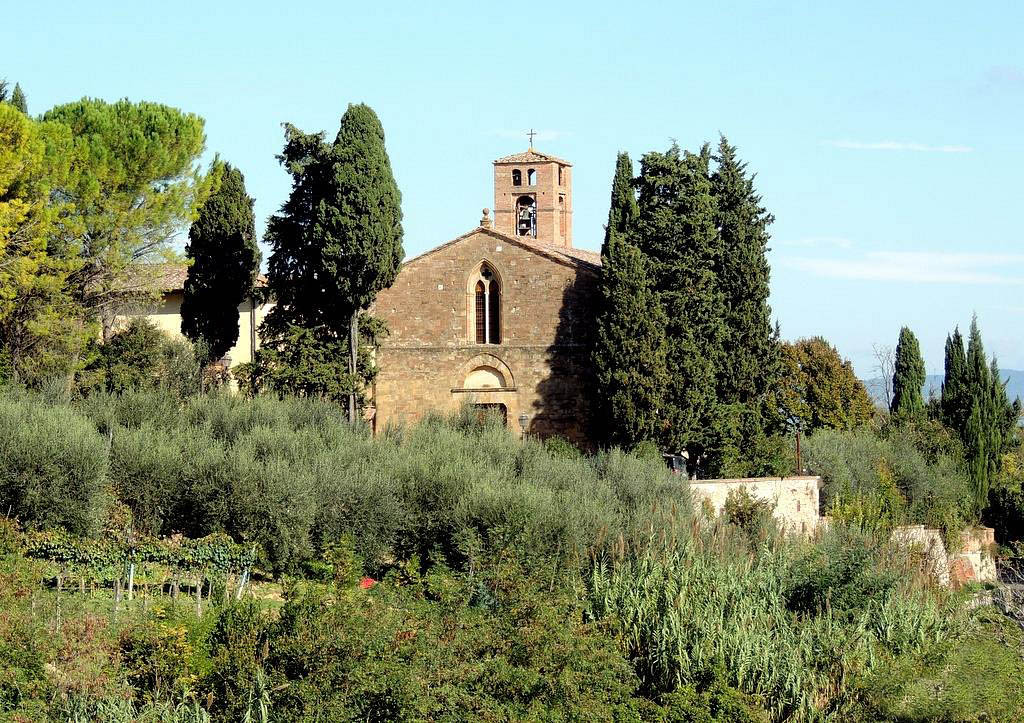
(816, 242)
(538, 136)
(1005, 76)
(919, 267)
(897, 146)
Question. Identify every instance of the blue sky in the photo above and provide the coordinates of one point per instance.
(887, 137)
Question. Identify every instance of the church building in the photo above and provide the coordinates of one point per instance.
(500, 317)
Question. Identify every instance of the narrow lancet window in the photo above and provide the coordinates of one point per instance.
(487, 308)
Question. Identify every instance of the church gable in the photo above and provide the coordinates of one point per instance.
(488, 288)
(499, 318)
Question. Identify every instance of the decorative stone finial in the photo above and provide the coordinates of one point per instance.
(486, 220)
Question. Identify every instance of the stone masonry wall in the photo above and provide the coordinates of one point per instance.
(545, 306)
(796, 499)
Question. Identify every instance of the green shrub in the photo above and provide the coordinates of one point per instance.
(53, 467)
(843, 574)
(892, 474)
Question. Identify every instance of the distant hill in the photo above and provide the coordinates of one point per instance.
(1014, 385)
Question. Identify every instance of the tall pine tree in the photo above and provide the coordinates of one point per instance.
(908, 378)
(623, 211)
(629, 351)
(954, 402)
(225, 261)
(362, 222)
(677, 229)
(751, 367)
(18, 99)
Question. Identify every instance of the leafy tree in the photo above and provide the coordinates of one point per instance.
(337, 241)
(139, 186)
(677, 229)
(302, 364)
(18, 99)
(820, 389)
(129, 359)
(225, 261)
(908, 378)
(39, 327)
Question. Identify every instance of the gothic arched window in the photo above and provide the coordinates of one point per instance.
(487, 307)
(517, 177)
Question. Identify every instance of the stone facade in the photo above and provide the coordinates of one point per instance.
(796, 500)
(539, 366)
(499, 317)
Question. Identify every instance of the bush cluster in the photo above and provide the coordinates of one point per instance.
(292, 476)
(902, 475)
(517, 579)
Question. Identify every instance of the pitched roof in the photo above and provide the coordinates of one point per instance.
(569, 256)
(172, 276)
(532, 156)
(585, 255)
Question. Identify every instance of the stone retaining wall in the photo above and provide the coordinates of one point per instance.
(796, 500)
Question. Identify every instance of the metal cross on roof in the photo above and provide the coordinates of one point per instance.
(531, 133)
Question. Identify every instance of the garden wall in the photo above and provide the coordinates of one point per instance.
(973, 562)
(796, 499)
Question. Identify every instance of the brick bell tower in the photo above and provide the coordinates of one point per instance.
(533, 197)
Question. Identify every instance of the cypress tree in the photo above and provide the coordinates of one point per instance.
(629, 350)
(337, 241)
(751, 367)
(677, 230)
(908, 378)
(623, 210)
(362, 222)
(750, 373)
(974, 405)
(18, 99)
(225, 261)
(954, 400)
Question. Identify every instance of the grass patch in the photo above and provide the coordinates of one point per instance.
(981, 680)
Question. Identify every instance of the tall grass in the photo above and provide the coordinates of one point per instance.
(699, 608)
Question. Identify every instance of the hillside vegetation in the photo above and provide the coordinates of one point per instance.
(445, 571)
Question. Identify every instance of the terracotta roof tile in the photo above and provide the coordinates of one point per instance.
(532, 156)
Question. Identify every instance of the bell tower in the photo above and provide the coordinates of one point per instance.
(533, 198)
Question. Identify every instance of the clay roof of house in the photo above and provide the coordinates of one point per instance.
(172, 277)
(532, 156)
